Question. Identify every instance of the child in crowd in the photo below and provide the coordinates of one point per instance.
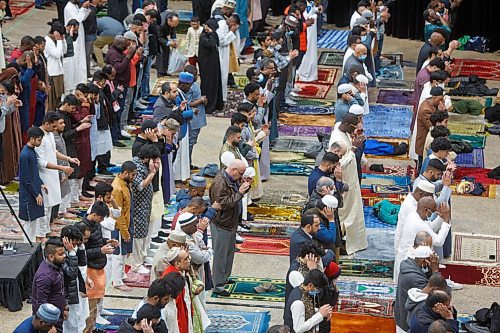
(193, 40)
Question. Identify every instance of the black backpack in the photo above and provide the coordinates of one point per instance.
(492, 114)
(487, 320)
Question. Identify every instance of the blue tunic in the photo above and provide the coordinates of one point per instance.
(242, 11)
(30, 185)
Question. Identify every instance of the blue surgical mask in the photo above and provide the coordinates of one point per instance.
(313, 292)
(261, 78)
(362, 58)
(424, 270)
(363, 38)
(289, 33)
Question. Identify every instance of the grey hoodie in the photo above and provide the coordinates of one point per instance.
(410, 276)
(415, 299)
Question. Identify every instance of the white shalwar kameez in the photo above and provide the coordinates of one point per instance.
(308, 70)
(351, 214)
(101, 141)
(75, 67)
(409, 205)
(226, 37)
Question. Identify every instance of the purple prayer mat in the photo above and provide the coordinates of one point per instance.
(399, 97)
(303, 130)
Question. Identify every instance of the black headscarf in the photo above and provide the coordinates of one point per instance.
(212, 24)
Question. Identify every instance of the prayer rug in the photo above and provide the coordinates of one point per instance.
(276, 213)
(20, 7)
(223, 321)
(391, 72)
(400, 97)
(396, 84)
(490, 191)
(388, 59)
(479, 174)
(333, 39)
(115, 320)
(358, 323)
(380, 245)
(313, 90)
(9, 229)
(477, 275)
(241, 80)
(234, 98)
(242, 288)
(366, 297)
(137, 280)
(287, 130)
(366, 288)
(310, 110)
(367, 268)
(372, 221)
(369, 180)
(331, 58)
(291, 169)
(313, 102)
(298, 145)
(471, 160)
(306, 120)
(325, 76)
(184, 15)
(391, 189)
(388, 121)
(156, 91)
(287, 156)
(466, 128)
(486, 69)
(477, 141)
(277, 196)
(272, 229)
(476, 248)
(263, 245)
(395, 170)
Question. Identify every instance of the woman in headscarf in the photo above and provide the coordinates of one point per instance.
(208, 60)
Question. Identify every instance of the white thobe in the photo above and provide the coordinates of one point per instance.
(354, 17)
(46, 153)
(412, 226)
(75, 67)
(351, 214)
(226, 37)
(308, 70)
(409, 205)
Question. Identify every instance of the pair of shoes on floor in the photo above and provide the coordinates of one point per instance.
(119, 144)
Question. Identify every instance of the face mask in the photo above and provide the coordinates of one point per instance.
(362, 58)
(75, 36)
(289, 33)
(441, 85)
(332, 192)
(363, 38)
(236, 143)
(261, 78)
(277, 47)
(313, 293)
(424, 270)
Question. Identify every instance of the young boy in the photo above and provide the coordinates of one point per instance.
(193, 40)
(264, 41)
(31, 209)
(63, 178)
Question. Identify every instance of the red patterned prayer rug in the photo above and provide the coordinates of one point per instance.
(313, 89)
(486, 69)
(394, 170)
(479, 174)
(479, 275)
(357, 323)
(325, 76)
(261, 245)
(19, 7)
(137, 280)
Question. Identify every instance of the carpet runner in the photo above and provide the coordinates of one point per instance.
(331, 58)
(486, 69)
(333, 39)
(399, 97)
(287, 130)
(476, 248)
(280, 197)
(313, 102)
(373, 222)
(388, 122)
(271, 229)
(137, 280)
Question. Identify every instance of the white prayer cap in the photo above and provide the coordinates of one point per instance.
(249, 173)
(227, 157)
(330, 201)
(356, 109)
(426, 186)
(172, 253)
(362, 78)
(343, 88)
(367, 14)
(422, 252)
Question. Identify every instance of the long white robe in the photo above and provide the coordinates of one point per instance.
(351, 214)
(75, 68)
(226, 37)
(412, 226)
(409, 205)
(46, 153)
(308, 70)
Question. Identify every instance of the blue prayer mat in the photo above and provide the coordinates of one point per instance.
(333, 39)
(388, 121)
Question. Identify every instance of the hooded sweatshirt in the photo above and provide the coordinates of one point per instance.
(425, 317)
(127, 326)
(410, 276)
(414, 302)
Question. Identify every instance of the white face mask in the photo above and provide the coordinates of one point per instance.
(277, 47)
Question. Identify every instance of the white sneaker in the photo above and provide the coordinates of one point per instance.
(239, 239)
(289, 101)
(441, 266)
(140, 106)
(142, 270)
(294, 94)
(125, 133)
(105, 312)
(454, 285)
(101, 321)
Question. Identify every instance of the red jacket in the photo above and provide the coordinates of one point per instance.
(302, 33)
(182, 312)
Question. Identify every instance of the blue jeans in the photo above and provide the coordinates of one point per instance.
(145, 90)
(115, 129)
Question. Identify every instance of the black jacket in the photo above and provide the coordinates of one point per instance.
(95, 258)
(71, 270)
(425, 317)
(153, 39)
(90, 24)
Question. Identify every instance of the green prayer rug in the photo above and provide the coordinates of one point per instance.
(243, 288)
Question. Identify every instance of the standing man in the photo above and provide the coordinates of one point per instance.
(226, 190)
(48, 283)
(148, 164)
(351, 214)
(49, 169)
(122, 232)
(227, 35)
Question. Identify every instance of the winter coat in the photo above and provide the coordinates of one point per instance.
(71, 270)
(226, 192)
(95, 258)
(116, 58)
